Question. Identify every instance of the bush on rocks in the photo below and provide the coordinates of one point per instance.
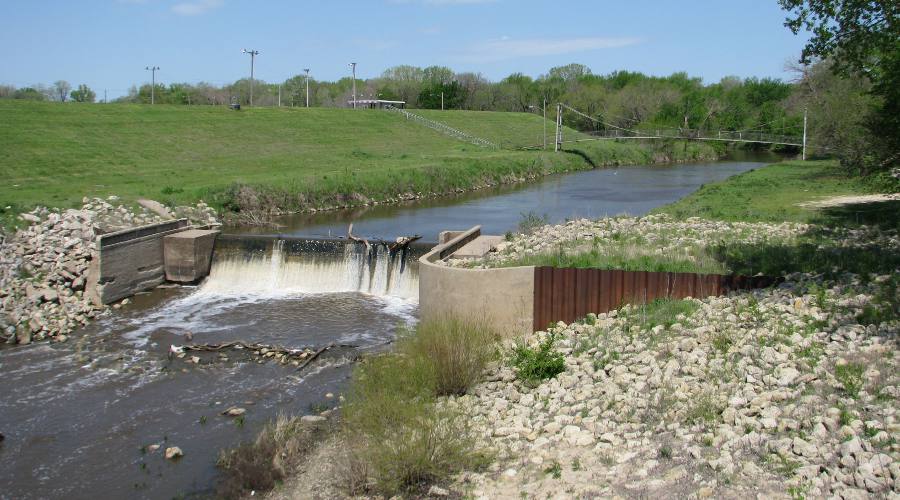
(407, 440)
(534, 364)
(454, 351)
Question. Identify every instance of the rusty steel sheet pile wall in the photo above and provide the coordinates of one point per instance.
(568, 294)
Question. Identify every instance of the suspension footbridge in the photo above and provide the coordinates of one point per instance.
(611, 131)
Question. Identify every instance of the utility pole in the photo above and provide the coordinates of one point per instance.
(104, 97)
(307, 86)
(545, 123)
(558, 128)
(253, 54)
(442, 100)
(279, 95)
(152, 70)
(804, 134)
(353, 67)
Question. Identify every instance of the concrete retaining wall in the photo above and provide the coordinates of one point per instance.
(503, 298)
(519, 300)
(133, 260)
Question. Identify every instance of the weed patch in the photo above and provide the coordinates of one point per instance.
(261, 464)
(850, 376)
(455, 351)
(405, 439)
(535, 364)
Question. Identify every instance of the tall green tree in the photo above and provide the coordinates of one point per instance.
(861, 38)
(83, 94)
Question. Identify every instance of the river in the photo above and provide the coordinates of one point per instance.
(78, 416)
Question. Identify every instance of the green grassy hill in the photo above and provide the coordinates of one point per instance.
(510, 130)
(54, 154)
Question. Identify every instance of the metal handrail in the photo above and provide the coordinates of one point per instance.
(445, 129)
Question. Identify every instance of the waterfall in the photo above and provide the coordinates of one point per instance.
(280, 266)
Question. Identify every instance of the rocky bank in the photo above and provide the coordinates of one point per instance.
(44, 265)
(784, 392)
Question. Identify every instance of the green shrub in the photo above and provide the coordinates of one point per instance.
(406, 440)
(531, 221)
(535, 364)
(850, 376)
(396, 427)
(454, 351)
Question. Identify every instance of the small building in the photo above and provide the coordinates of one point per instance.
(376, 103)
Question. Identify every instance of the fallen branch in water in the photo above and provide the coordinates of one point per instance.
(402, 242)
(357, 239)
(300, 357)
(314, 356)
(399, 243)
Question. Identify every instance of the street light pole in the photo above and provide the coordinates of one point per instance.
(307, 86)
(253, 54)
(152, 70)
(353, 67)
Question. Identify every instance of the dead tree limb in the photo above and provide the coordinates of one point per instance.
(356, 238)
(314, 356)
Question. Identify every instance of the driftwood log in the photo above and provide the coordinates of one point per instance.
(304, 356)
(398, 244)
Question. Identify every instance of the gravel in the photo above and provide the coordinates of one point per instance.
(776, 392)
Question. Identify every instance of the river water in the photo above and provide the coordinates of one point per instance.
(77, 416)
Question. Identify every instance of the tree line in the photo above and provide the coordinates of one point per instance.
(60, 90)
(619, 99)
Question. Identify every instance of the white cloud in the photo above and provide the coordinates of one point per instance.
(196, 7)
(508, 48)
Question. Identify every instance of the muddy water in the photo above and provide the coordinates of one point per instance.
(77, 415)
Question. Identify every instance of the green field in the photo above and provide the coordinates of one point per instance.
(525, 130)
(770, 194)
(289, 158)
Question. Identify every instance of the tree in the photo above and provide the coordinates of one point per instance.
(860, 38)
(569, 72)
(451, 95)
(61, 90)
(861, 33)
(30, 93)
(83, 94)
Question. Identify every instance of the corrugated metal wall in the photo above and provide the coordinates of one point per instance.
(570, 294)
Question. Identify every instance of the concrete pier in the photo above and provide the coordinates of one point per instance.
(188, 254)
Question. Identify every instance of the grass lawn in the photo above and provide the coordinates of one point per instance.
(290, 158)
(56, 154)
(769, 194)
(509, 130)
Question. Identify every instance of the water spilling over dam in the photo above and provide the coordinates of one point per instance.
(284, 266)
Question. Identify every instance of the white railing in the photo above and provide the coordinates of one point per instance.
(444, 129)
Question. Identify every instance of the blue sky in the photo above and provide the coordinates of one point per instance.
(107, 43)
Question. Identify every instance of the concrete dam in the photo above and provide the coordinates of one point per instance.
(254, 264)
